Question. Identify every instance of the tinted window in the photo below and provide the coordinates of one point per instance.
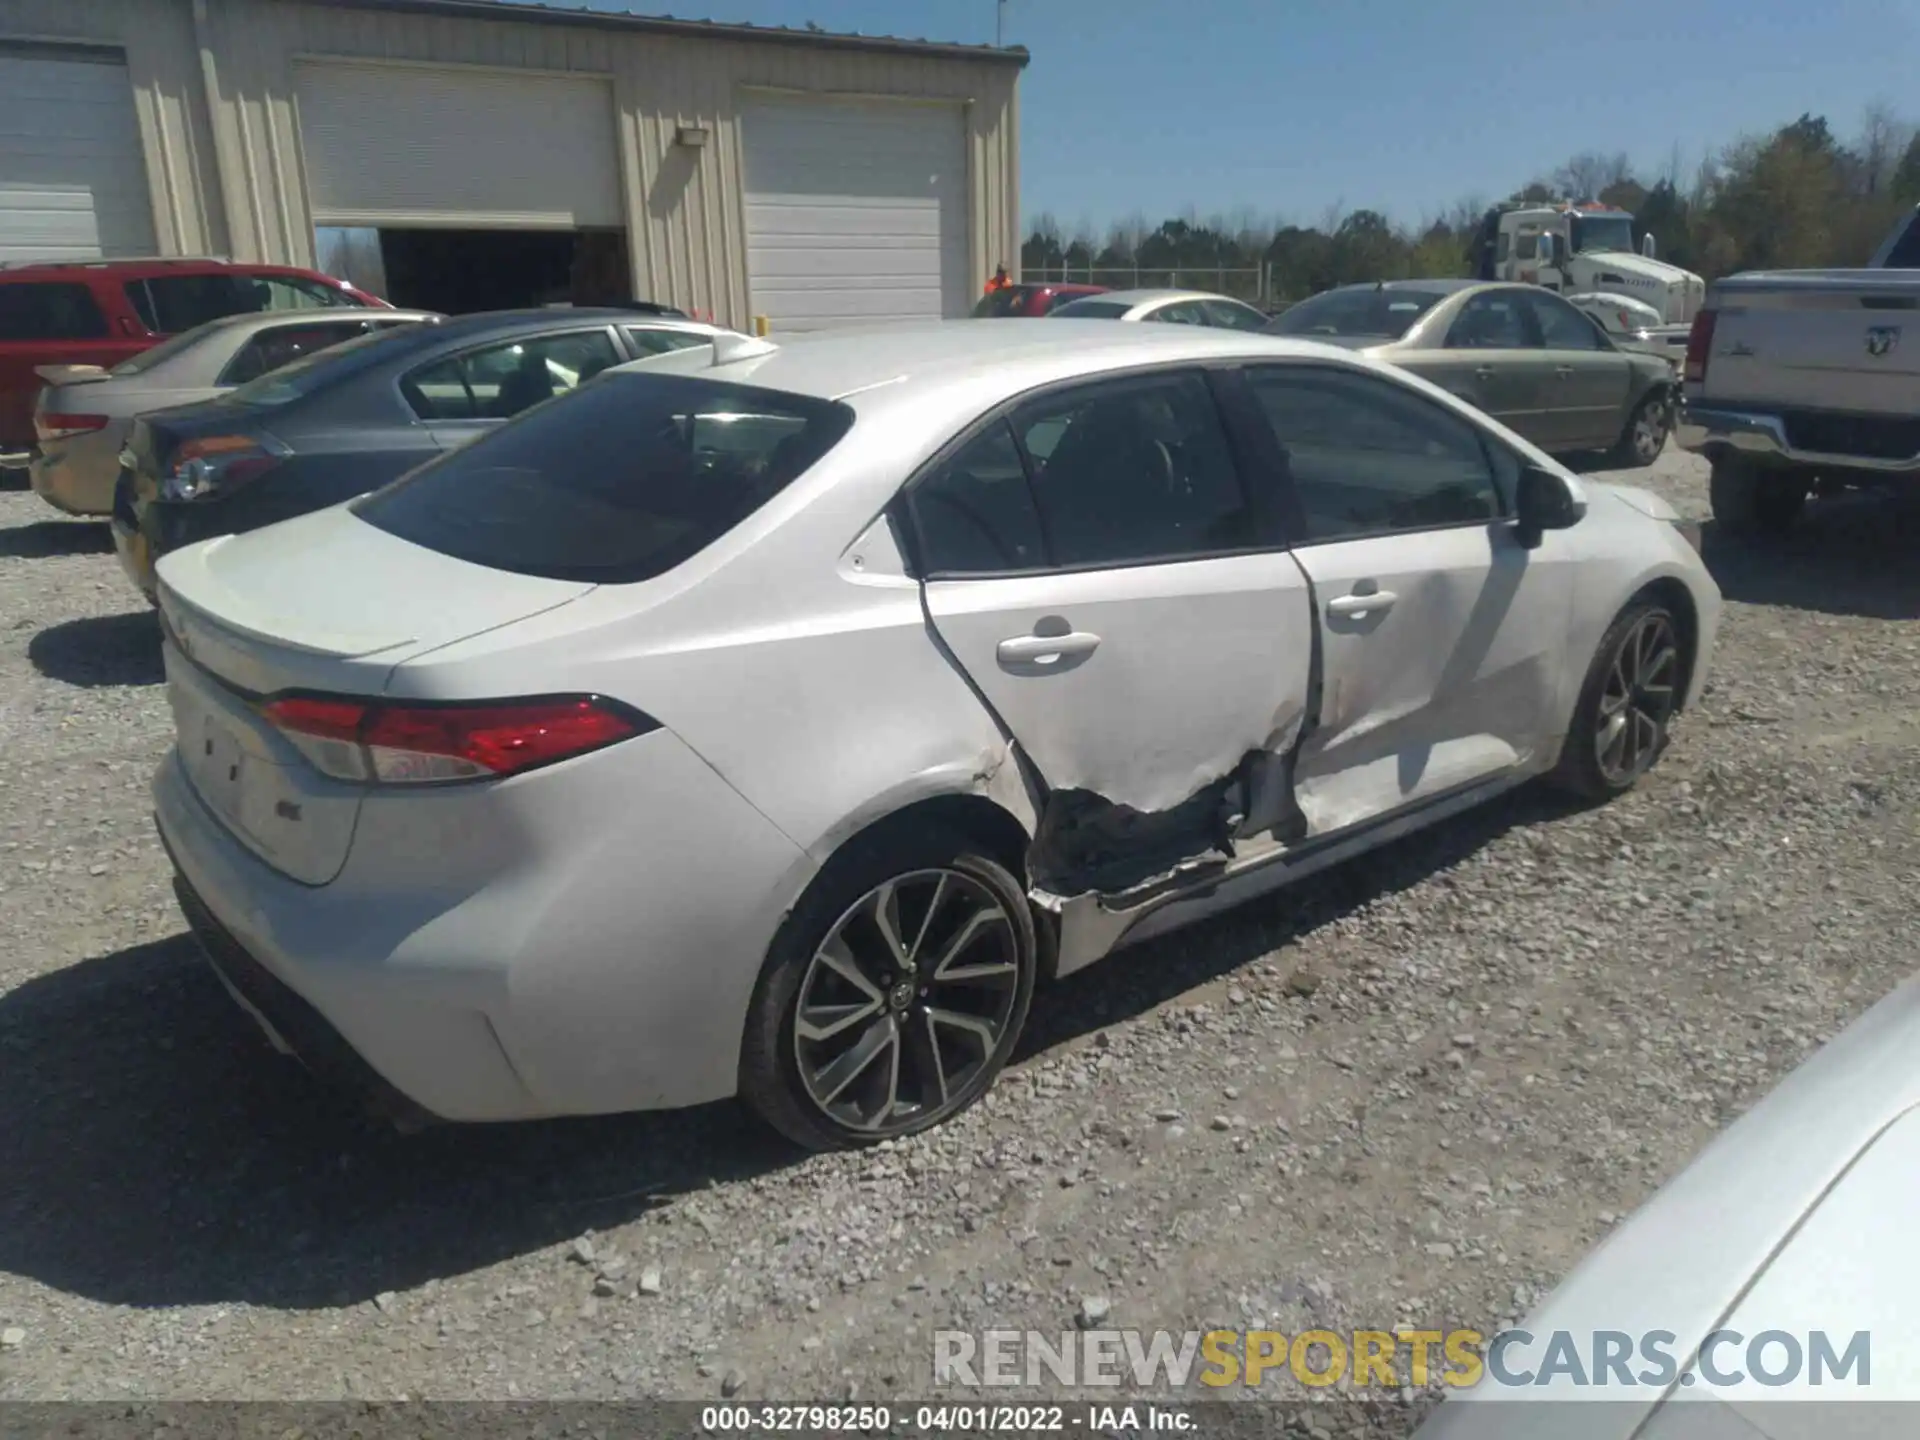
(1362, 310)
(1230, 315)
(975, 513)
(37, 311)
(321, 368)
(619, 481)
(1905, 254)
(1133, 471)
(172, 303)
(1090, 310)
(1493, 320)
(1366, 457)
(1561, 326)
(498, 381)
(156, 354)
(271, 349)
(1181, 312)
(660, 342)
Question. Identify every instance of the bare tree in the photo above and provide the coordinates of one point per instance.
(1884, 138)
(1588, 173)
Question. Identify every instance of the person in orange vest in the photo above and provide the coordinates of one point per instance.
(998, 280)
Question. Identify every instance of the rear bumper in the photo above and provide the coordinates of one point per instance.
(76, 476)
(583, 940)
(1762, 436)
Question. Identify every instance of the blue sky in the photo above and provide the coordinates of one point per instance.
(1292, 106)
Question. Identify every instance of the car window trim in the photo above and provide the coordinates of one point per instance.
(610, 328)
(1296, 510)
(903, 517)
(1547, 299)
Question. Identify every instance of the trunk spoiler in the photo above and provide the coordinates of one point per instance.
(70, 374)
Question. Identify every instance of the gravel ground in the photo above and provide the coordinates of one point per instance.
(1417, 1090)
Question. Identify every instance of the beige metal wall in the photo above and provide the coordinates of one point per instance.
(226, 170)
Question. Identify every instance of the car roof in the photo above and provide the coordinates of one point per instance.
(255, 322)
(1142, 297)
(147, 269)
(836, 364)
(1444, 285)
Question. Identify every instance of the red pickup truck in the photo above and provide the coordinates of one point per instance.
(100, 312)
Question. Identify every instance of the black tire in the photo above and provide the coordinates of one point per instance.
(771, 1074)
(1581, 768)
(1750, 501)
(1645, 435)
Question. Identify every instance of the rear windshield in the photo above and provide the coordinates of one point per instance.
(1090, 310)
(319, 368)
(167, 349)
(616, 482)
(1386, 314)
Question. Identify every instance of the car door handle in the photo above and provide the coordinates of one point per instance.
(1563, 371)
(1362, 604)
(1026, 650)
(1483, 372)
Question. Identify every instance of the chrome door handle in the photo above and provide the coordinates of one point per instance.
(1563, 371)
(1045, 649)
(1483, 372)
(1357, 604)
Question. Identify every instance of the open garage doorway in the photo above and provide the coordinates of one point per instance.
(460, 271)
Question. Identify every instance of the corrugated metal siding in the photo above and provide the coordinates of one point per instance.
(220, 128)
(685, 206)
(176, 136)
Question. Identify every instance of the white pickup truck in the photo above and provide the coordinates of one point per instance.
(1800, 382)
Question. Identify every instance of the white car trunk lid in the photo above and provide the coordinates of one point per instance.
(322, 603)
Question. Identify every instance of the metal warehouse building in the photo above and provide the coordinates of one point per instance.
(469, 154)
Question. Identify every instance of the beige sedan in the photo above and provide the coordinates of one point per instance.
(1517, 352)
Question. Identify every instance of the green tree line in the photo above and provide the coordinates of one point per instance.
(1799, 196)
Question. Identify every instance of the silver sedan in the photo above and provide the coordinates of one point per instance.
(84, 412)
(1519, 352)
(769, 719)
(1164, 307)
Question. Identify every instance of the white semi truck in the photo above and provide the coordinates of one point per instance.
(1581, 250)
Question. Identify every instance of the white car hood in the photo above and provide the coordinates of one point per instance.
(1798, 1217)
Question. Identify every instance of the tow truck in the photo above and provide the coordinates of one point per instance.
(1584, 249)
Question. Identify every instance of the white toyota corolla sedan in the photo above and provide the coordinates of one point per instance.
(768, 719)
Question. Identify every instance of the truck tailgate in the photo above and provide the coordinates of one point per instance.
(1838, 340)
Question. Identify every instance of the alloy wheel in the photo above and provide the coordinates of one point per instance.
(1638, 700)
(1650, 431)
(904, 1005)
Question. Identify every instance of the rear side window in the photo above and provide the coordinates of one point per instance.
(616, 483)
(1089, 310)
(34, 310)
(975, 514)
(172, 303)
(647, 341)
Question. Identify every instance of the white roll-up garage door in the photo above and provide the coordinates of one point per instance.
(856, 211)
(73, 182)
(402, 145)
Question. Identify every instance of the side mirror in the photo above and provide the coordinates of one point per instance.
(1544, 502)
(1647, 246)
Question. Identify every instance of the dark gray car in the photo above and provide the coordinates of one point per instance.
(348, 420)
(1517, 352)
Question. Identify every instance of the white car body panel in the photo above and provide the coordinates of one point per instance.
(1797, 1217)
(587, 936)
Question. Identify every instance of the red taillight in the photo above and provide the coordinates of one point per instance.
(411, 744)
(59, 425)
(1700, 345)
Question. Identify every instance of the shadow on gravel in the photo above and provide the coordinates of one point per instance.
(155, 1151)
(101, 650)
(1138, 978)
(45, 539)
(1852, 555)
